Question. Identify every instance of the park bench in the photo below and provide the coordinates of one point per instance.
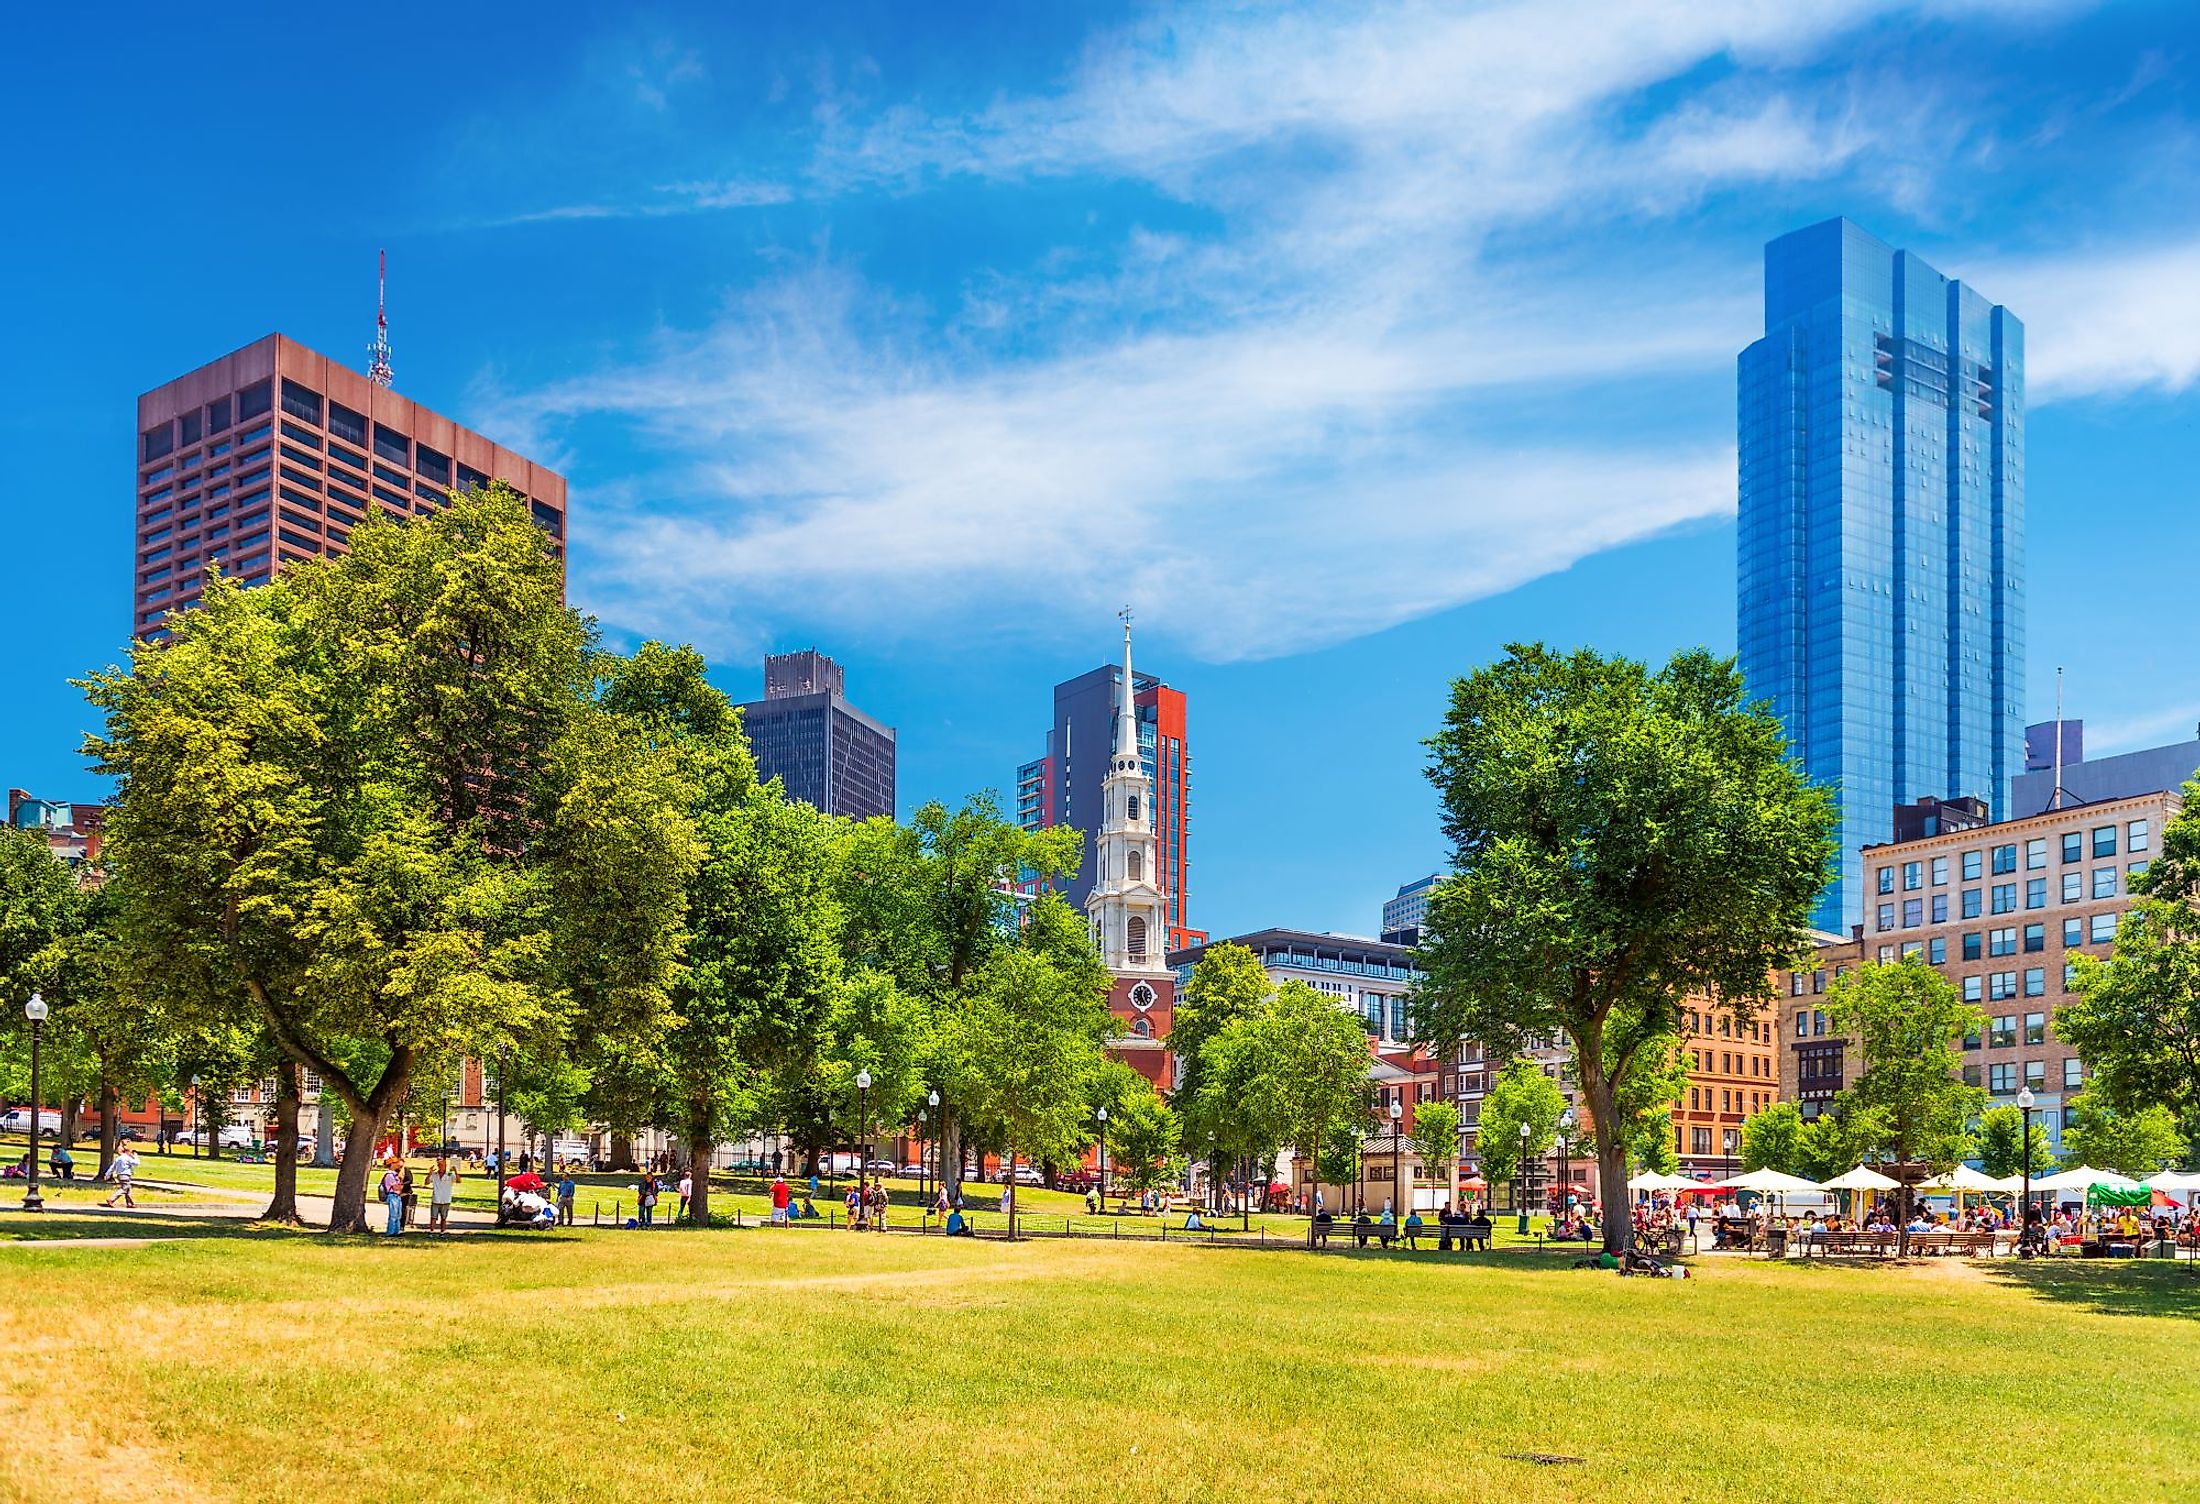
(1970, 1244)
(1364, 1228)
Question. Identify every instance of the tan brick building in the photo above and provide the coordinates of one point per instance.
(1998, 909)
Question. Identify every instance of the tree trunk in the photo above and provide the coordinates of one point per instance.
(348, 1211)
(324, 1135)
(1010, 1172)
(622, 1152)
(1596, 1090)
(110, 1131)
(698, 1147)
(284, 1207)
(951, 1156)
(72, 1109)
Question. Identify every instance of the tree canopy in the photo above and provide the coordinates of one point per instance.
(1622, 840)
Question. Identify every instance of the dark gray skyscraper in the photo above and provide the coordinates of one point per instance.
(804, 732)
(1881, 546)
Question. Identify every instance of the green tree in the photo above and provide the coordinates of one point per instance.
(1224, 1112)
(1908, 1020)
(2000, 1141)
(1227, 983)
(1623, 842)
(1772, 1139)
(931, 905)
(1835, 1142)
(1143, 1138)
(373, 808)
(1309, 1069)
(2137, 1144)
(2136, 1017)
(1026, 1039)
(1436, 1141)
(1522, 1093)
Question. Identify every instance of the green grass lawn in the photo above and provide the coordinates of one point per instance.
(601, 1365)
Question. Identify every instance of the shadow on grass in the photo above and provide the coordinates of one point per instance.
(45, 1227)
(2121, 1287)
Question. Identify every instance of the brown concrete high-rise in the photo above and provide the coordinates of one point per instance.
(274, 453)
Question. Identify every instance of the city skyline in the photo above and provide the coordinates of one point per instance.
(1332, 460)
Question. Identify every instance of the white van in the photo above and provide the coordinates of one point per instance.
(18, 1120)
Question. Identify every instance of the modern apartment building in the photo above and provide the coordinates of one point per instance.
(2083, 780)
(829, 754)
(1063, 787)
(1880, 558)
(1406, 914)
(2000, 910)
(1367, 977)
(274, 453)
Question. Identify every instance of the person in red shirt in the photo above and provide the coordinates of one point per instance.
(780, 1197)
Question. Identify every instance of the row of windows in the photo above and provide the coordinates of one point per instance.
(215, 417)
(2137, 837)
(2001, 1076)
(2075, 886)
(1699, 1100)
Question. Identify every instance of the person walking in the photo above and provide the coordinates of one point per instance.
(687, 1189)
(393, 1197)
(566, 1192)
(122, 1171)
(442, 1187)
(878, 1206)
(405, 1190)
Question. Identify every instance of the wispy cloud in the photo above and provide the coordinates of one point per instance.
(1280, 431)
(660, 201)
(2106, 321)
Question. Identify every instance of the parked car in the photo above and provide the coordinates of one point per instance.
(130, 1133)
(18, 1120)
(231, 1136)
(1026, 1175)
(882, 1167)
(913, 1172)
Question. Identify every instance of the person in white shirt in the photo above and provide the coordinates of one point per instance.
(122, 1172)
(442, 1187)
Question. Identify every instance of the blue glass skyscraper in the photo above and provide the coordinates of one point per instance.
(1881, 554)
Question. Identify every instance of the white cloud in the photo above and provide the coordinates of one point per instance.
(2105, 323)
(1276, 435)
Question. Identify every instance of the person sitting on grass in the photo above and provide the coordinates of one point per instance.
(1192, 1222)
(958, 1226)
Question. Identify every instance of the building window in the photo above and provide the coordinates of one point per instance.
(1971, 951)
(1802, 1024)
(2005, 898)
(217, 415)
(2005, 859)
(2073, 932)
(1940, 908)
(1817, 1021)
(1972, 989)
(1913, 913)
(1137, 864)
(2035, 1028)
(1940, 872)
(1137, 935)
(2073, 1073)
(299, 402)
(392, 446)
(1936, 950)
(1971, 903)
(1885, 916)
(2073, 887)
(1913, 876)
(2104, 840)
(254, 400)
(346, 424)
(1970, 1075)
(1886, 874)
(2035, 937)
(2102, 929)
(2136, 835)
(2001, 985)
(2003, 1034)
(159, 441)
(2104, 882)
(2035, 982)
(2002, 1078)
(1818, 980)
(2035, 854)
(2001, 942)
(2035, 893)
(2073, 846)
(2035, 1073)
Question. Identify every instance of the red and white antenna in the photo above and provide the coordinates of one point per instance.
(378, 353)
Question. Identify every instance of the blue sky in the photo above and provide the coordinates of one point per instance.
(1347, 343)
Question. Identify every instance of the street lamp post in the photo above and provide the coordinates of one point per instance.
(1565, 1159)
(35, 1011)
(939, 1142)
(1101, 1116)
(1520, 1181)
(2025, 1101)
(863, 1124)
(923, 1187)
(504, 1077)
(1397, 1112)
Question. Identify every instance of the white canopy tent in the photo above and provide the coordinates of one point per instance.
(2082, 1178)
(1862, 1178)
(1651, 1180)
(2173, 1180)
(1767, 1183)
(1964, 1178)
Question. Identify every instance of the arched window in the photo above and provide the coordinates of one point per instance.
(1142, 1027)
(1134, 809)
(1138, 937)
(1137, 864)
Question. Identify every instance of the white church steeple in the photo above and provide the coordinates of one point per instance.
(1125, 906)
